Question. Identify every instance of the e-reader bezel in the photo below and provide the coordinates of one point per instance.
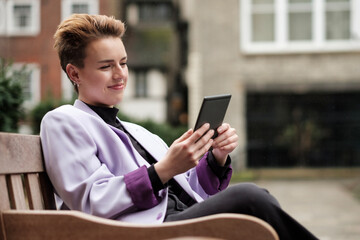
(212, 111)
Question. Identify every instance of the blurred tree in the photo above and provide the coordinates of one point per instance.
(11, 95)
(39, 111)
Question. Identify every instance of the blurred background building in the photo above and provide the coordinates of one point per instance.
(292, 67)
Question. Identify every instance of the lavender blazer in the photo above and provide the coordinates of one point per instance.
(95, 169)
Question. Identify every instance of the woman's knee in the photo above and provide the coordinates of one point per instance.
(252, 194)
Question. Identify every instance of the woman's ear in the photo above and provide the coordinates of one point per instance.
(73, 73)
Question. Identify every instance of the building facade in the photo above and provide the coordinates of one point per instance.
(26, 38)
(292, 68)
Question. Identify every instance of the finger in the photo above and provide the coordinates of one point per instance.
(226, 141)
(229, 147)
(204, 149)
(224, 127)
(225, 135)
(204, 139)
(185, 136)
(199, 133)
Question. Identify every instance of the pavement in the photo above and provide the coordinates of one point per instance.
(325, 207)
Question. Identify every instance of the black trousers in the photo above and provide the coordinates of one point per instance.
(247, 198)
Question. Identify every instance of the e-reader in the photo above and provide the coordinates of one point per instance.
(212, 111)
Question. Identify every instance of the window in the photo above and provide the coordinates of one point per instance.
(300, 20)
(337, 20)
(276, 26)
(2, 17)
(140, 84)
(69, 7)
(154, 12)
(263, 21)
(19, 17)
(149, 12)
(31, 83)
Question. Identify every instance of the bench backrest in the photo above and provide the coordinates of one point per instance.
(24, 183)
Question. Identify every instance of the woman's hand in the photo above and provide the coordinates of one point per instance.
(224, 143)
(185, 153)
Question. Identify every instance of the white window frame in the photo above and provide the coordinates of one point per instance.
(281, 44)
(35, 86)
(2, 17)
(66, 7)
(7, 26)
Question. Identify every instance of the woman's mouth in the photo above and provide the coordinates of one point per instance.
(117, 87)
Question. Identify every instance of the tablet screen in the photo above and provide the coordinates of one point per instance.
(213, 111)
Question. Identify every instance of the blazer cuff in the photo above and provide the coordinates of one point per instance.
(220, 171)
(209, 180)
(139, 186)
(155, 180)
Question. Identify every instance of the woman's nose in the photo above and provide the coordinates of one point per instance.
(119, 72)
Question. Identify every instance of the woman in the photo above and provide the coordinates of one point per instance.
(114, 169)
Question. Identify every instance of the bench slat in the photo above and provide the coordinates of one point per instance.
(4, 196)
(33, 190)
(20, 153)
(17, 194)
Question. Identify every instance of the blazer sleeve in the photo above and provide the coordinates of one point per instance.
(79, 177)
(213, 178)
(205, 179)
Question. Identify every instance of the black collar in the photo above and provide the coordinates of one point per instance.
(107, 114)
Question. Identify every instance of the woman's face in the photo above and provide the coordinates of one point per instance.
(103, 78)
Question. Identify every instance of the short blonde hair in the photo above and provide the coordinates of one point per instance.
(75, 33)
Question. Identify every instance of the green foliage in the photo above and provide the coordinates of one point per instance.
(165, 131)
(40, 110)
(11, 95)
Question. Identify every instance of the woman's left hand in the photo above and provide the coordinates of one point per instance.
(224, 143)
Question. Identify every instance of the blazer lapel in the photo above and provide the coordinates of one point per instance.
(156, 149)
(124, 138)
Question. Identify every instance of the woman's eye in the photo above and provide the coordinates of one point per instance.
(123, 64)
(105, 67)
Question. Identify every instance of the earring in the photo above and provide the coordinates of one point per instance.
(76, 84)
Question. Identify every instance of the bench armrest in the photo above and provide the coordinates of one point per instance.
(50, 224)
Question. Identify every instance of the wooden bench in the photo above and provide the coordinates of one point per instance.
(27, 208)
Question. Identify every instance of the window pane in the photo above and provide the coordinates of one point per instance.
(337, 1)
(80, 8)
(140, 85)
(337, 19)
(25, 80)
(155, 12)
(22, 16)
(337, 25)
(300, 1)
(263, 2)
(300, 26)
(300, 20)
(263, 27)
(2, 17)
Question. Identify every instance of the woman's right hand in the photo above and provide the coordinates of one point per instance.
(185, 153)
